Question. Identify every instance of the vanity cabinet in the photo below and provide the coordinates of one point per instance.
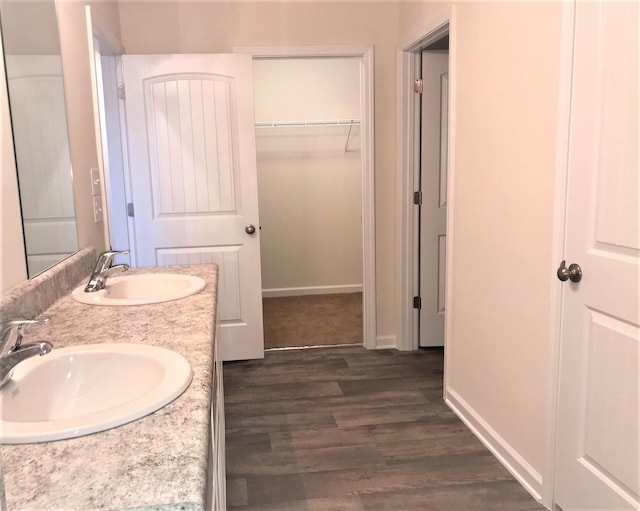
(216, 491)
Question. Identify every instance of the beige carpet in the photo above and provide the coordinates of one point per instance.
(314, 320)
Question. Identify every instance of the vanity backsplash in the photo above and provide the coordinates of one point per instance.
(31, 298)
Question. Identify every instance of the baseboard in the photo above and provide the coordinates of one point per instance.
(386, 342)
(312, 290)
(507, 455)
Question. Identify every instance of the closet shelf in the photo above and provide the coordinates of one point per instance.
(304, 124)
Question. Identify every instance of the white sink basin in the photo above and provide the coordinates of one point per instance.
(80, 390)
(141, 289)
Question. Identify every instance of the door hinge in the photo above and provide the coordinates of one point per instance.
(418, 86)
(417, 198)
(130, 211)
(121, 92)
(417, 302)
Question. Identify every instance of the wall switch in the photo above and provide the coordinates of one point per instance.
(97, 209)
(95, 182)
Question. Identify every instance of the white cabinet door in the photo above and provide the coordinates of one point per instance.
(433, 184)
(192, 164)
(598, 437)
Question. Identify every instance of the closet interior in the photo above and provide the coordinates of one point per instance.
(310, 186)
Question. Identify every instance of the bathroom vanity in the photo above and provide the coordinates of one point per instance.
(170, 459)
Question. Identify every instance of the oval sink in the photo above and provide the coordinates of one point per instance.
(80, 390)
(141, 289)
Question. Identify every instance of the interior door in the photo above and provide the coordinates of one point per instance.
(433, 185)
(597, 437)
(192, 157)
(44, 164)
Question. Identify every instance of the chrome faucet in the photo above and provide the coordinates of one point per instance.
(12, 351)
(103, 269)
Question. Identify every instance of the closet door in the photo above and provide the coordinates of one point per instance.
(433, 185)
(192, 158)
(597, 436)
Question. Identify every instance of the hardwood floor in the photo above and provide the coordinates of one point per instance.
(348, 429)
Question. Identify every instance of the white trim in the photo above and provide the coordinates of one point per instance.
(311, 290)
(109, 43)
(304, 51)
(386, 342)
(499, 447)
(365, 53)
(429, 33)
(126, 170)
(407, 222)
(96, 122)
(368, 198)
(557, 252)
(453, 80)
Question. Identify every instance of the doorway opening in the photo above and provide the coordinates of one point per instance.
(425, 183)
(309, 160)
(363, 130)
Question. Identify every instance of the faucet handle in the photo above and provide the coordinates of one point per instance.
(111, 253)
(106, 258)
(15, 328)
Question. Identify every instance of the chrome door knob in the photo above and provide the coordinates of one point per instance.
(572, 273)
(250, 229)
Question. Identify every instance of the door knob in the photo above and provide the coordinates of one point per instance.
(250, 229)
(572, 273)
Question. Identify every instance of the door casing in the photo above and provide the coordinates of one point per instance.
(559, 211)
(365, 54)
(107, 45)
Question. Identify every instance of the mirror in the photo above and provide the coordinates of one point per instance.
(38, 119)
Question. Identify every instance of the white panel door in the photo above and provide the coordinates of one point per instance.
(597, 437)
(433, 184)
(42, 152)
(193, 172)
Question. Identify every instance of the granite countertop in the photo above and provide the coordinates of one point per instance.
(156, 462)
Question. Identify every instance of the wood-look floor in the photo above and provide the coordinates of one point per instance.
(348, 429)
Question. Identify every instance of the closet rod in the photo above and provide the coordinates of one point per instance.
(301, 124)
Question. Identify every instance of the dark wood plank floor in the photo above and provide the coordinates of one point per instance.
(348, 429)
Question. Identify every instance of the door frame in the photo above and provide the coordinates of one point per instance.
(365, 54)
(110, 46)
(408, 175)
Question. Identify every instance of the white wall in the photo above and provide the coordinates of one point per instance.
(13, 269)
(32, 29)
(306, 89)
(507, 76)
(74, 49)
(192, 27)
(309, 187)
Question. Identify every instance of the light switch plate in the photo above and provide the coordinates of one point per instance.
(97, 209)
(95, 181)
